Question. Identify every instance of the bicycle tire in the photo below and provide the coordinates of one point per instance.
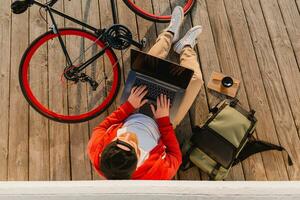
(153, 17)
(32, 100)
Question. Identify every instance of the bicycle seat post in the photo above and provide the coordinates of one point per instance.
(114, 11)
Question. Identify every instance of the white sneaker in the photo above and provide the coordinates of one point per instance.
(190, 39)
(176, 22)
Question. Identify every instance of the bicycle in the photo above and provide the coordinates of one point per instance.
(83, 89)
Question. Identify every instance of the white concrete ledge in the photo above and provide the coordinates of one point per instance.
(149, 190)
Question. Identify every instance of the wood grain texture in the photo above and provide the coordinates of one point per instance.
(227, 56)
(5, 45)
(38, 124)
(274, 88)
(79, 133)
(18, 118)
(291, 17)
(146, 29)
(91, 16)
(255, 91)
(106, 18)
(209, 62)
(284, 24)
(184, 128)
(127, 18)
(291, 79)
(60, 168)
(298, 4)
(164, 8)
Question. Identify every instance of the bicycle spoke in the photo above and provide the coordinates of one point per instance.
(93, 44)
(75, 98)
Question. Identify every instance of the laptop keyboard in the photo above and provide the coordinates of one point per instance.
(155, 90)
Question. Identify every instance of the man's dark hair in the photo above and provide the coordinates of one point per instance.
(117, 163)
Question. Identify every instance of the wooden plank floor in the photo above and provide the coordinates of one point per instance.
(256, 41)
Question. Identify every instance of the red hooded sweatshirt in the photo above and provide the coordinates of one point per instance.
(163, 161)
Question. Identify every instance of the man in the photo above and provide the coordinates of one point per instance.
(128, 145)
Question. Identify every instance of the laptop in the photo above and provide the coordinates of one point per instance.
(160, 76)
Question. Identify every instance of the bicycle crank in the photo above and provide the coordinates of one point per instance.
(119, 37)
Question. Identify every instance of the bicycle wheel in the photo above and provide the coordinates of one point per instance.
(44, 86)
(158, 10)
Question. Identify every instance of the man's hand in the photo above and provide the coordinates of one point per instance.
(163, 107)
(136, 96)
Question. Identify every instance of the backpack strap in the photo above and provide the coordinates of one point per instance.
(256, 146)
(186, 163)
(233, 102)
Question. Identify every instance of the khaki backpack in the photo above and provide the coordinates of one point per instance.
(224, 140)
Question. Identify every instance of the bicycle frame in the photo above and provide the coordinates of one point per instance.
(52, 10)
(98, 32)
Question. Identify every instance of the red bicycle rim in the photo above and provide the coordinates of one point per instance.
(187, 6)
(45, 110)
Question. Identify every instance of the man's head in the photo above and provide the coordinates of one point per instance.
(119, 158)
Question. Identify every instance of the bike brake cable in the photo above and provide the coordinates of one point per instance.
(118, 61)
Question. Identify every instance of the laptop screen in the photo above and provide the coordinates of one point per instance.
(160, 69)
